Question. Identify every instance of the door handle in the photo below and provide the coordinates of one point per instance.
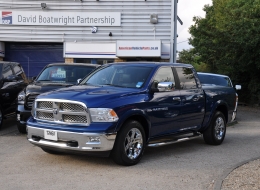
(197, 98)
(176, 98)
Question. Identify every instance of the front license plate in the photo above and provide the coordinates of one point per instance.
(50, 135)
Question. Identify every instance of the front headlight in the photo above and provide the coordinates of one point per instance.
(33, 109)
(103, 115)
(21, 97)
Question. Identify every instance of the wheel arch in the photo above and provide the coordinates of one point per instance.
(137, 116)
(219, 106)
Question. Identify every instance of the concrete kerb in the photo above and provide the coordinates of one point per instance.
(219, 181)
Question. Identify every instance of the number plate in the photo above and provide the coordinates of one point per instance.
(50, 135)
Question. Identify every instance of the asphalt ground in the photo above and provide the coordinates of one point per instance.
(188, 165)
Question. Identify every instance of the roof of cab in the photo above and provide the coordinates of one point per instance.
(212, 74)
(153, 64)
(74, 64)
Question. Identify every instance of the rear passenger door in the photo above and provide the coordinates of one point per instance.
(192, 98)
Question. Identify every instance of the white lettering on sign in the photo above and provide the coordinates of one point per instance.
(60, 18)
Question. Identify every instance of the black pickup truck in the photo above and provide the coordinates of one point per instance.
(121, 108)
(12, 81)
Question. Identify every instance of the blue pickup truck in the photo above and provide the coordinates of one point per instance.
(121, 108)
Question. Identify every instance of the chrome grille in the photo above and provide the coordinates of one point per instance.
(71, 107)
(44, 116)
(75, 118)
(61, 111)
(44, 105)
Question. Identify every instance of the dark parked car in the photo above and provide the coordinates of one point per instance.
(12, 81)
(52, 77)
(211, 79)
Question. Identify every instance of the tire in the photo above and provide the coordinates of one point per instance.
(50, 151)
(130, 144)
(21, 128)
(1, 117)
(215, 133)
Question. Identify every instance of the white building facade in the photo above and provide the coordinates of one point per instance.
(36, 33)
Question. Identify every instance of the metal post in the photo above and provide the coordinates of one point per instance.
(172, 33)
(175, 31)
(28, 66)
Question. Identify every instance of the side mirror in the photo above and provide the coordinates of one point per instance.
(163, 87)
(79, 80)
(33, 78)
(238, 87)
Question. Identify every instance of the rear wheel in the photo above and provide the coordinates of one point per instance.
(216, 132)
(1, 117)
(130, 144)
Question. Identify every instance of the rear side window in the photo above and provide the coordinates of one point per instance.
(186, 77)
(215, 80)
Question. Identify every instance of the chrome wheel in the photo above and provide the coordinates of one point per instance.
(219, 128)
(133, 143)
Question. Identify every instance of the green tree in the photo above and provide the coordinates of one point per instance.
(189, 56)
(228, 40)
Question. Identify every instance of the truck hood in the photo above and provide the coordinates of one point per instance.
(92, 96)
(38, 87)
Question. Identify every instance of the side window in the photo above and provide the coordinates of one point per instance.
(164, 74)
(7, 71)
(187, 79)
(18, 71)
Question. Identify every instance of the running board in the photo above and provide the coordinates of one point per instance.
(174, 141)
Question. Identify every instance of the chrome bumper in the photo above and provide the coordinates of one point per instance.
(72, 141)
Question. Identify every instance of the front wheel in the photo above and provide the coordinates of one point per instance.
(216, 132)
(130, 144)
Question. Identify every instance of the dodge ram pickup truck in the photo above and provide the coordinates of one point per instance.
(121, 108)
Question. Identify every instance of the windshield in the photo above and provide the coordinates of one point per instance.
(118, 75)
(215, 80)
(64, 73)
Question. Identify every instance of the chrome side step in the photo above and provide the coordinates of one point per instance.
(174, 141)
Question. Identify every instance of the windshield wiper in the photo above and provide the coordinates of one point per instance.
(112, 85)
(42, 80)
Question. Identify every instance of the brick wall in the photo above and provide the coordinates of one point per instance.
(69, 60)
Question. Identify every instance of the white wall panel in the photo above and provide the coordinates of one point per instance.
(135, 21)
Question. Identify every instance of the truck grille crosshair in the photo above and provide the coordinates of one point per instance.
(61, 111)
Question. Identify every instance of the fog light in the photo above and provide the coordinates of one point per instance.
(94, 139)
(18, 117)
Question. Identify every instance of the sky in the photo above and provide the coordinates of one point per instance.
(187, 9)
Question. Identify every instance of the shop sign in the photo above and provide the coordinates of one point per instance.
(60, 18)
(138, 48)
(89, 50)
(2, 49)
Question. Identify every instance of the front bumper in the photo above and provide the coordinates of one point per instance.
(22, 115)
(72, 141)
